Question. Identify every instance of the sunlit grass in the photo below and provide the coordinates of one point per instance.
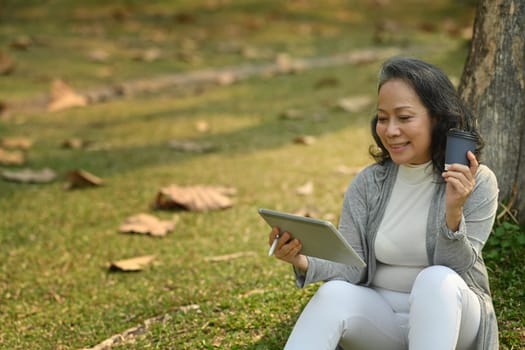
(55, 288)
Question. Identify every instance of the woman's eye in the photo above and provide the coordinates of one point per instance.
(405, 117)
(381, 119)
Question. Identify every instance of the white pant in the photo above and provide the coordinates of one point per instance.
(441, 313)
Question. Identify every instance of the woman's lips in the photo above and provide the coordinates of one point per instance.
(398, 147)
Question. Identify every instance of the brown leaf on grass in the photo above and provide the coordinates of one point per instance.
(202, 126)
(7, 64)
(184, 18)
(226, 78)
(217, 341)
(428, 27)
(346, 170)
(194, 198)
(133, 264)
(228, 257)
(327, 82)
(149, 55)
(3, 108)
(306, 189)
(304, 140)
(292, 114)
(191, 146)
(80, 179)
(22, 42)
(64, 96)
(30, 176)
(354, 103)
(251, 52)
(467, 32)
(98, 55)
(147, 225)
(284, 62)
(120, 14)
(16, 142)
(252, 292)
(11, 157)
(75, 143)
(189, 307)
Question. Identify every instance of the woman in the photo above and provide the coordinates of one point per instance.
(419, 228)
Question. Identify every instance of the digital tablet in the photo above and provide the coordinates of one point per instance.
(319, 238)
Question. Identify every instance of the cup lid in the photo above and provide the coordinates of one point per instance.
(463, 134)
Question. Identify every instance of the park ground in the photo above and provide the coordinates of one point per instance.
(143, 95)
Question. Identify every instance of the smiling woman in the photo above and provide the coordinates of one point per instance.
(413, 226)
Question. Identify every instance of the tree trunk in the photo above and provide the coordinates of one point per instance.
(493, 85)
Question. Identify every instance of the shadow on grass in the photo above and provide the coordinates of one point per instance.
(270, 132)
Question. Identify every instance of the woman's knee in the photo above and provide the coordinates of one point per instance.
(437, 276)
(437, 282)
(336, 294)
(333, 290)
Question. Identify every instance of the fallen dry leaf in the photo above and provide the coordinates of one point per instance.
(194, 198)
(133, 264)
(148, 225)
(11, 157)
(129, 335)
(429, 27)
(229, 257)
(292, 114)
(98, 56)
(217, 341)
(226, 78)
(80, 179)
(149, 55)
(64, 96)
(327, 82)
(467, 32)
(22, 42)
(255, 52)
(189, 307)
(306, 189)
(191, 146)
(284, 62)
(304, 140)
(355, 103)
(16, 142)
(346, 170)
(7, 64)
(30, 176)
(184, 17)
(252, 292)
(202, 126)
(75, 143)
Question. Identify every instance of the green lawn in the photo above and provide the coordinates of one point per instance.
(56, 291)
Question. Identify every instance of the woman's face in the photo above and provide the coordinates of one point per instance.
(404, 124)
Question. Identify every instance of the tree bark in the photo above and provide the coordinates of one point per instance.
(493, 85)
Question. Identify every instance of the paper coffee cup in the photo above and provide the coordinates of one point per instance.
(459, 142)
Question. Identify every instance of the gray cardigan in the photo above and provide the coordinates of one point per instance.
(363, 208)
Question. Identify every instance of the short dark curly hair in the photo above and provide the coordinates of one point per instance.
(438, 95)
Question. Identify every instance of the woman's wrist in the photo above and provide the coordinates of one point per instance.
(301, 263)
(453, 219)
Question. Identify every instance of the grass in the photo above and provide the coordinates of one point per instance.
(55, 288)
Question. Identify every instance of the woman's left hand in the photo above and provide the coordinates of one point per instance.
(460, 181)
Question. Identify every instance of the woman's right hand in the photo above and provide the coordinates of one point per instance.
(288, 249)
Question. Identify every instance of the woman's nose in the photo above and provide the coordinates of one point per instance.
(392, 129)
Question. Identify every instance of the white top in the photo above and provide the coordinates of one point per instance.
(400, 244)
